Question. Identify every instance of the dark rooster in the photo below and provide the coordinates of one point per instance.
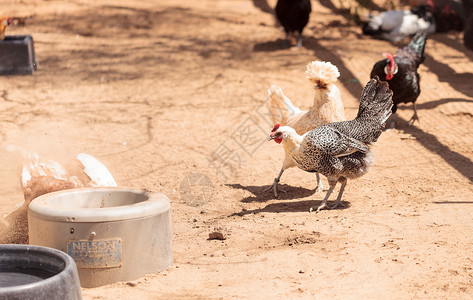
(341, 150)
(400, 70)
(293, 16)
(468, 34)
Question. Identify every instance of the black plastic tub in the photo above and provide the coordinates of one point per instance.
(34, 272)
(17, 56)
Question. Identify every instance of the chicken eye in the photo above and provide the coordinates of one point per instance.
(395, 69)
(386, 69)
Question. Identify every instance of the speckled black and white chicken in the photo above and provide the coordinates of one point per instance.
(327, 108)
(341, 150)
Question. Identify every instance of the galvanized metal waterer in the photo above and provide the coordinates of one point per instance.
(113, 234)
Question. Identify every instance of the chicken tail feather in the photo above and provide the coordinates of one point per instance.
(375, 103)
(281, 107)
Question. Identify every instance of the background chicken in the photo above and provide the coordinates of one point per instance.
(395, 25)
(4, 23)
(468, 33)
(341, 150)
(293, 16)
(327, 108)
(448, 15)
(400, 70)
(41, 176)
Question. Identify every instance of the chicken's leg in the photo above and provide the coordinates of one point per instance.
(299, 40)
(339, 198)
(324, 202)
(286, 41)
(320, 187)
(415, 116)
(392, 124)
(274, 186)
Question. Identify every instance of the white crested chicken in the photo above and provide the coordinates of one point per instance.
(327, 108)
(4, 23)
(41, 176)
(341, 150)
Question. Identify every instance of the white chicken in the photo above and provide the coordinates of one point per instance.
(395, 25)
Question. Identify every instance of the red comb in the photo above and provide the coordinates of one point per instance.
(446, 9)
(389, 56)
(275, 127)
(431, 4)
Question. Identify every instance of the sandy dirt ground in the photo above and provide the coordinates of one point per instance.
(170, 95)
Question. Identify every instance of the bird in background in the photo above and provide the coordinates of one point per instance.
(293, 15)
(5, 21)
(341, 150)
(400, 71)
(41, 176)
(448, 15)
(468, 33)
(395, 25)
(326, 108)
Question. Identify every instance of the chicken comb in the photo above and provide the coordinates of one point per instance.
(431, 4)
(389, 56)
(7, 20)
(276, 127)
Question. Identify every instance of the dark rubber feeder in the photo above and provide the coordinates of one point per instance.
(34, 272)
(17, 55)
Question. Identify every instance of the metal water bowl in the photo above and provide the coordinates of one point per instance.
(113, 234)
(32, 272)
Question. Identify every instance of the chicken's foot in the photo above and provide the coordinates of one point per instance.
(274, 186)
(324, 202)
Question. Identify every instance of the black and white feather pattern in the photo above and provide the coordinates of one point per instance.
(339, 149)
(395, 25)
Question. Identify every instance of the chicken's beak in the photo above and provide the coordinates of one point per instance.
(271, 137)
